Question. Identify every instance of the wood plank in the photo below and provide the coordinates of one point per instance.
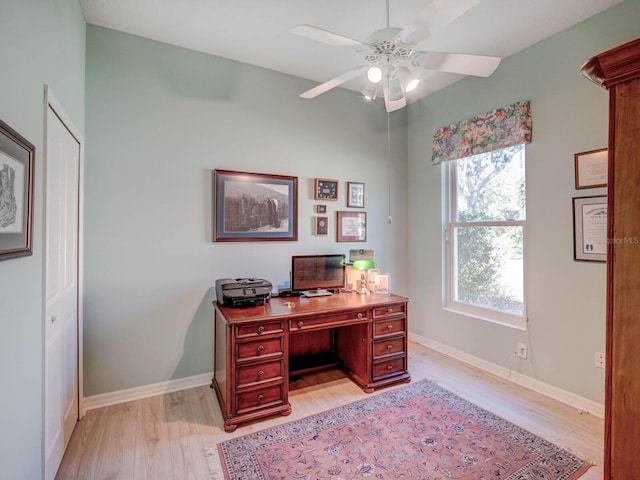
(80, 459)
(153, 453)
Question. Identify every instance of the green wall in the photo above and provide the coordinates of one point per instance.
(566, 299)
(41, 42)
(159, 120)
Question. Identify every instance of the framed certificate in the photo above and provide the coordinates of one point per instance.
(591, 168)
(590, 229)
(351, 227)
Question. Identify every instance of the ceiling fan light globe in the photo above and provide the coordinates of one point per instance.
(370, 92)
(413, 83)
(374, 74)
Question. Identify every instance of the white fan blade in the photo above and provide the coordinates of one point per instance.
(437, 15)
(334, 82)
(330, 38)
(477, 65)
(393, 104)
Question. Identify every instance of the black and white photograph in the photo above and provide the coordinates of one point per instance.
(254, 206)
(16, 192)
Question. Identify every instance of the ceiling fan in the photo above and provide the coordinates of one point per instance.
(390, 60)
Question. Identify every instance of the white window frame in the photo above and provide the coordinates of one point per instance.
(450, 223)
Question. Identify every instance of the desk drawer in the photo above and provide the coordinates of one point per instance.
(384, 348)
(262, 348)
(261, 372)
(256, 329)
(260, 398)
(326, 321)
(385, 328)
(389, 367)
(394, 310)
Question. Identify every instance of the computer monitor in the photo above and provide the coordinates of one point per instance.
(314, 275)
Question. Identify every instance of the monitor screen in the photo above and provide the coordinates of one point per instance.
(317, 272)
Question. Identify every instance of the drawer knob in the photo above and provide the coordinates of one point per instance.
(389, 347)
(261, 348)
(300, 324)
(260, 373)
(389, 327)
(261, 329)
(260, 397)
(389, 367)
(360, 316)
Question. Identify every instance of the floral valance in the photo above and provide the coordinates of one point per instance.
(500, 128)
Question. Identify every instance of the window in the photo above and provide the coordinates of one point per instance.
(485, 235)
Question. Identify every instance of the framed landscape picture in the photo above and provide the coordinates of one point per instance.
(252, 207)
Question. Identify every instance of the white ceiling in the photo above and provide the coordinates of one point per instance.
(258, 32)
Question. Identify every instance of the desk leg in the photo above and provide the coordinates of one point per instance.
(230, 428)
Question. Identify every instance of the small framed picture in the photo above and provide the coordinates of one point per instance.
(325, 189)
(590, 229)
(321, 209)
(592, 168)
(351, 226)
(321, 226)
(355, 194)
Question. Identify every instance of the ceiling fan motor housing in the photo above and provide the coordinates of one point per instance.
(386, 52)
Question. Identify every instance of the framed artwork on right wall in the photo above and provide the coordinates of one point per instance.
(592, 168)
(590, 229)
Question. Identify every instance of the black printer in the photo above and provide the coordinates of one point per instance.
(243, 292)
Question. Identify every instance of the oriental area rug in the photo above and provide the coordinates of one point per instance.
(420, 431)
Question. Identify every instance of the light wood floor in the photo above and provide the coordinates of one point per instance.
(165, 437)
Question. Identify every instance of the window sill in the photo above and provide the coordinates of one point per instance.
(511, 321)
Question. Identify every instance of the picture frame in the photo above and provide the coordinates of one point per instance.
(361, 254)
(590, 229)
(321, 209)
(355, 194)
(321, 226)
(17, 157)
(591, 168)
(254, 207)
(325, 189)
(351, 226)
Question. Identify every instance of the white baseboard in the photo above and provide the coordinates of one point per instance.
(580, 403)
(136, 393)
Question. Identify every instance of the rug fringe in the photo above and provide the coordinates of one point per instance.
(578, 454)
(213, 460)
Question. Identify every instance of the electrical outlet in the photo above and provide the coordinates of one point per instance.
(522, 350)
(599, 360)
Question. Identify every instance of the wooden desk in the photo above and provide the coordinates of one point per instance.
(257, 349)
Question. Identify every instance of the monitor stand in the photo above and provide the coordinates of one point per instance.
(315, 293)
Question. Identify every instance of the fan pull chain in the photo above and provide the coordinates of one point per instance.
(388, 14)
(390, 219)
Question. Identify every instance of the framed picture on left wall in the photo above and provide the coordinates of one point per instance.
(254, 207)
(16, 193)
